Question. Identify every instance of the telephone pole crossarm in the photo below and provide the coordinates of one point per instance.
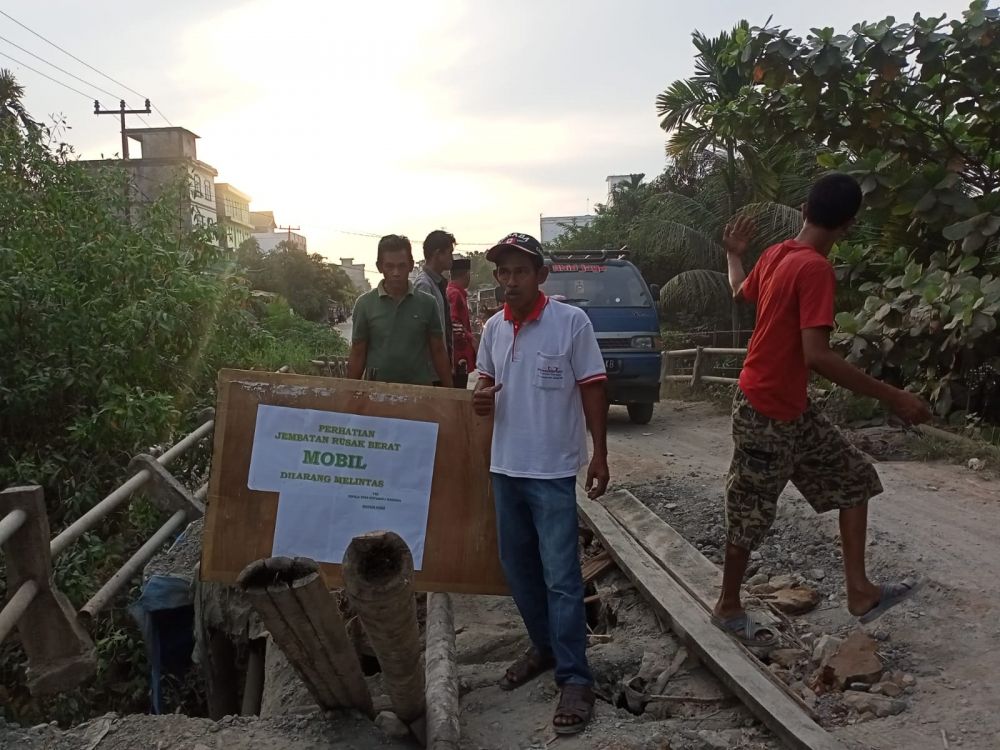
(121, 112)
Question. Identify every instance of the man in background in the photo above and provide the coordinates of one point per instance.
(398, 335)
(464, 341)
(439, 247)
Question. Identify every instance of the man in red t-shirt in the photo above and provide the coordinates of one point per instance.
(464, 350)
(778, 435)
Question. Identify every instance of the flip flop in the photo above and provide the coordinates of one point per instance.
(892, 594)
(748, 629)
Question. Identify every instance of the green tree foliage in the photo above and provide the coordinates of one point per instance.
(913, 111)
(13, 115)
(308, 282)
(112, 333)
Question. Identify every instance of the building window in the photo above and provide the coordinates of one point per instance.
(208, 189)
(195, 186)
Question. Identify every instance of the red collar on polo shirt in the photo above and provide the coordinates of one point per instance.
(536, 312)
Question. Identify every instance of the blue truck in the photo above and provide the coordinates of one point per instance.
(623, 310)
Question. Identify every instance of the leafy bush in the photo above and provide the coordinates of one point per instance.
(913, 111)
(113, 331)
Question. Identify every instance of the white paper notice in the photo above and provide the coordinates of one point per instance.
(340, 475)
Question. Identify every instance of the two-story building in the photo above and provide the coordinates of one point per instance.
(232, 207)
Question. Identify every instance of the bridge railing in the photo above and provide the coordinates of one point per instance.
(59, 649)
(702, 362)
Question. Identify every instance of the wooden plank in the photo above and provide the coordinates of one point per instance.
(721, 654)
(461, 547)
(696, 573)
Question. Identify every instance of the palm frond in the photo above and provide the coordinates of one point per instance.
(680, 102)
(678, 245)
(696, 296)
(775, 222)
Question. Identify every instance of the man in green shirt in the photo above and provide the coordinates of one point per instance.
(398, 335)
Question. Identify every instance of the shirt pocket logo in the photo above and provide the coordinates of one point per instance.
(551, 371)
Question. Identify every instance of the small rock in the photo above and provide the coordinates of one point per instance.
(855, 661)
(907, 680)
(784, 582)
(671, 506)
(976, 464)
(817, 574)
(888, 689)
(787, 657)
(876, 704)
(808, 640)
(756, 555)
(825, 648)
(757, 580)
(780, 672)
(795, 601)
(859, 687)
(391, 725)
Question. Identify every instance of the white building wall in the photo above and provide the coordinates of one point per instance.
(556, 226)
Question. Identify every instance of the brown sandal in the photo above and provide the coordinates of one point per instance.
(576, 702)
(528, 666)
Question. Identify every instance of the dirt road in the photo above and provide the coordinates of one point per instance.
(937, 521)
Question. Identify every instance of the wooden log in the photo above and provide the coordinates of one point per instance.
(304, 621)
(60, 653)
(319, 605)
(441, 675)
(720, 653)
(253, 685)
(378, 579)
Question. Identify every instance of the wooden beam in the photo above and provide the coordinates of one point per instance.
(443, 732)
(696, 573)
(720, 653)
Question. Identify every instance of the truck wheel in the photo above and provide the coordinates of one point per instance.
(640, 413)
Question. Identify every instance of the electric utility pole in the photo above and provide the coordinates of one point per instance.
(121, 111)
(290, 230)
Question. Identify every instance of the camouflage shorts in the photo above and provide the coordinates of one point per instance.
(810, 452)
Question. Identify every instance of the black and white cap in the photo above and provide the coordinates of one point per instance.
(524, 242)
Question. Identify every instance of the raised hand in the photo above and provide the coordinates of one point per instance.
(737, 235)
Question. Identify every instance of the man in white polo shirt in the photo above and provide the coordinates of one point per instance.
(542, 376)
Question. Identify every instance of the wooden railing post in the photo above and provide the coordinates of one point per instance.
(60, 653)
(699, 363)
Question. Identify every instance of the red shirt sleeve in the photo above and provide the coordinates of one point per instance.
(750, 291)
(816, 285)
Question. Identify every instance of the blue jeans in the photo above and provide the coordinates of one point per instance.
(538, 539)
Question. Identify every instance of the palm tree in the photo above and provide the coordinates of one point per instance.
(12, 111)
(678, 240)
(693, 110)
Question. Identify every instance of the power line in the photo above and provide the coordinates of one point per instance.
(82, 62)
(43, 75)
(61, 70)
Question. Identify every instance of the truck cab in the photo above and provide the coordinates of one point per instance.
(622, 308)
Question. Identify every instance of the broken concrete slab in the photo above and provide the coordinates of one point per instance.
(795, 601)
(855, 661)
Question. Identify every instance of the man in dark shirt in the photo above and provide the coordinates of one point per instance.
(398, 335)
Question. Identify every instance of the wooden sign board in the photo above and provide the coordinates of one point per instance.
(460, 552)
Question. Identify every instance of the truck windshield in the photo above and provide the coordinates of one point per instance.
(597, 285)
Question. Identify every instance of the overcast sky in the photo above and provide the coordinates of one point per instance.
(377, 117)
